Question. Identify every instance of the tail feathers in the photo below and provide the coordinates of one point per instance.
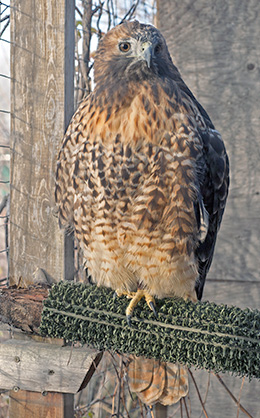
(176, 385)
(156, 381)
(146, 379)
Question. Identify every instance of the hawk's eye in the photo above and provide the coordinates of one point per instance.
(124, 46)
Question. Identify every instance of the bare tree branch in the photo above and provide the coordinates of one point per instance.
(198, 392)
(233, 397)
(85, 85)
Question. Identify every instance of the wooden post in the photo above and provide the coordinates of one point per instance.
(160, 411)
(42, 101)
(26, 404)
(214, 44)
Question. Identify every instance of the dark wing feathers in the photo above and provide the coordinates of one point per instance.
(214, 182)
(213, 174)
(186, 91)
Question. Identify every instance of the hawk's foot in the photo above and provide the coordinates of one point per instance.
(136, 297)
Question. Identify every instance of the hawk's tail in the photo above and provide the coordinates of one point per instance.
(156, 381)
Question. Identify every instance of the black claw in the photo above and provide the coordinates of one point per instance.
(151, 304)
(128, 319)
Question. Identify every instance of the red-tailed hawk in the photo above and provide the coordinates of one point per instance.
(142, 178)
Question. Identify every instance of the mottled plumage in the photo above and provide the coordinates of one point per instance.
(142, 178)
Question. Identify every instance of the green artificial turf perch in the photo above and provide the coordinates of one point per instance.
(205, 335)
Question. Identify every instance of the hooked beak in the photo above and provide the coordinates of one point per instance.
(147, 52)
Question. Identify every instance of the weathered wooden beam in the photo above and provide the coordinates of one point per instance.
(42, 102)
(43, 367)
(39, 366)
(22, 307)
(26, 404)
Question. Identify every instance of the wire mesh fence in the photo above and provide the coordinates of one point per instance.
(4, 138)
(108, 393)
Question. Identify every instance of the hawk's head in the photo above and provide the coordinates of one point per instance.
(132, 51)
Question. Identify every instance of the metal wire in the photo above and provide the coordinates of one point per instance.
(105, 13)
(4, 154)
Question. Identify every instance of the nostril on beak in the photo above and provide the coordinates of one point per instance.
(147, 53)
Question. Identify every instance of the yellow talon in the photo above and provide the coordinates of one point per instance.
(136, 297)
(129, 295)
